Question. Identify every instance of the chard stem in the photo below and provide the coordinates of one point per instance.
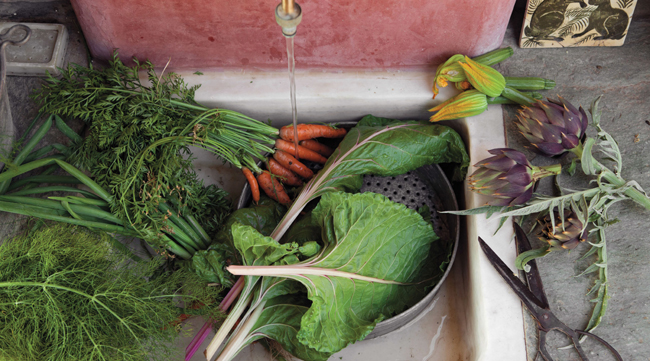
(238, 339)
(229, 323)
(289, 271)
(232, 295)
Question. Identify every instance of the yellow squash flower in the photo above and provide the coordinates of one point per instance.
(465, 104)
(483, 78)
(450, 71)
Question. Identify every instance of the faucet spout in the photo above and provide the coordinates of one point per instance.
(288, 6)
(288, 15)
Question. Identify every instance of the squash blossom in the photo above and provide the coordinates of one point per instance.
(465, 104)
(450, 71)
(483, 78)
(463, 85)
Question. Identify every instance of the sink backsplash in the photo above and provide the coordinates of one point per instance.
(334, 34)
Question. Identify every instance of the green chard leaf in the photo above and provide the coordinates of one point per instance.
(375, 251)
(392, 149)
(369, 236)
(280, 321)
(387, 148)
(373, 121)
(257, 250)
(211, 264)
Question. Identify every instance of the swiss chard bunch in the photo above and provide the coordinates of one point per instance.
(567, 221)
(367, 243)
(370, 267)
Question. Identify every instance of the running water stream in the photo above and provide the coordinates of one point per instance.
(292, 80)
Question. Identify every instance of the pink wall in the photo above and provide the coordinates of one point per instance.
(371, 34)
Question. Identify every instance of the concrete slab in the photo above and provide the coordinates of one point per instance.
(23, 108)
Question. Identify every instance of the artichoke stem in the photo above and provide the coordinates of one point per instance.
(633, 193)
(545, 171)
(577, 151)
(612, 178)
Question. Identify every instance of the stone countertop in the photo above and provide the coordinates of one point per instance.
(622, 76)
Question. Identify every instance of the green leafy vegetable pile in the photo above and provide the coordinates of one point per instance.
(139, 136)
(372, 258)
(137, 155)
(66, 294)
(370, 268)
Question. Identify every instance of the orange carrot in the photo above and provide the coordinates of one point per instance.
(286, 176)
(255, 188)
(311, 131)
(303, 153)
(273, 188)
(319, 148)
(291, 163)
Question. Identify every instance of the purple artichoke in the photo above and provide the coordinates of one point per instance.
(553, 127)
(508, 177)
(567, 236)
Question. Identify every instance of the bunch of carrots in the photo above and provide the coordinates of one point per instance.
(284, 167)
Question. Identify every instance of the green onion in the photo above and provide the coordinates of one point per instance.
(49, 189)
(66, 130)
(40, 133)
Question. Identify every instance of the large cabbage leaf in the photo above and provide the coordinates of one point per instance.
(367, 271)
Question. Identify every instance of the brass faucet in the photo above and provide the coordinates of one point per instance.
(288, 6)
(288, 15)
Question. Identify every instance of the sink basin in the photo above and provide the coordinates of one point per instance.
(475, 315)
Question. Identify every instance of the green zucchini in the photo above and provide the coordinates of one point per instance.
(529, 83)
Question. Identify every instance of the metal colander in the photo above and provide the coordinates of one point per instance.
(413, 192)
(426, 186)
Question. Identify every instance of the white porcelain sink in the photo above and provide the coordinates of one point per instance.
(475, 316)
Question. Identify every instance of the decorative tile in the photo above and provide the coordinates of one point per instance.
(567, 23)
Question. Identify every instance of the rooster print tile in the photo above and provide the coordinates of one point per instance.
(566, 23)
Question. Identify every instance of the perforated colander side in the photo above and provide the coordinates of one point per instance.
(411, 191)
